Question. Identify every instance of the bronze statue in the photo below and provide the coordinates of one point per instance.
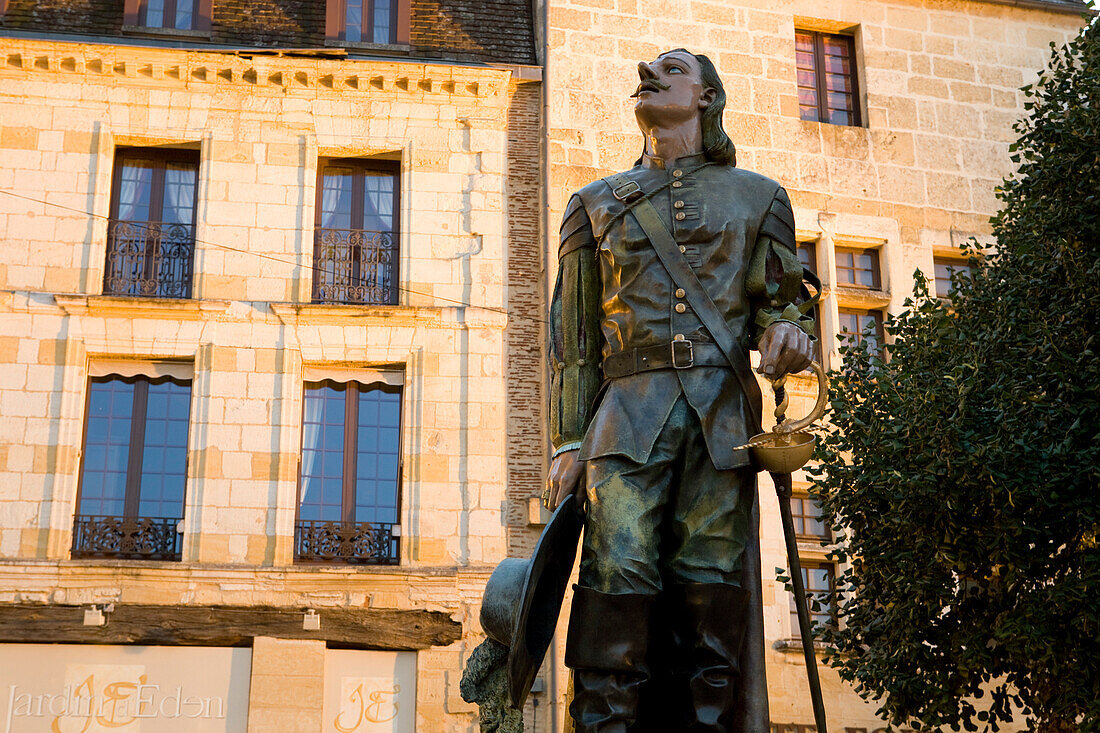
(668, 274)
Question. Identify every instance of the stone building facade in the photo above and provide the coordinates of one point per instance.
(265, 269)
(919, 100)
(174, 225)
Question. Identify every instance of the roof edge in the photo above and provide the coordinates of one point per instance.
(1054, 6)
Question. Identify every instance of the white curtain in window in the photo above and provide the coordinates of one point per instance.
(133, 191)
(179, 193)
(311, 439)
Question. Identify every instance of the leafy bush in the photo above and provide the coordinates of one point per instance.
(963, 472)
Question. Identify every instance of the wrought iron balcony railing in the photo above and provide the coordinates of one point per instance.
(127, 538)
(355, 266)
(150, 259)
(365, 543)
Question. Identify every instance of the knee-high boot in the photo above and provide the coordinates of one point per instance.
(606, 649)
(709, 634)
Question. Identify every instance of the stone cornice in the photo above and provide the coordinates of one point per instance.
(389, 315)
(199, 68)
(117, 306)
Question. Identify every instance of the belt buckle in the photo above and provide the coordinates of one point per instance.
(684, 348)
(627, 192)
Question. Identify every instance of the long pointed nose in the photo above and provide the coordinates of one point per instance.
(645, 72)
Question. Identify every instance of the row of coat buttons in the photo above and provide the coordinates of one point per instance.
(680, 216)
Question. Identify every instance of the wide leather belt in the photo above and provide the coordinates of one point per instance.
(673, 355)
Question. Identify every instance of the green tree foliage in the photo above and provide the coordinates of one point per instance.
(963, 472)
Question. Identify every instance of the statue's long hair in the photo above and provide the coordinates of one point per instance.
(717, 145)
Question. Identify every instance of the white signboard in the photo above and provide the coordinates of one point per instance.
(369, 692)
(74, 688)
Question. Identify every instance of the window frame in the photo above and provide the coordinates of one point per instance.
(808, 565)
(350, 460)
(818, 38)
(810, 247)
(131, 517)
(876, 266)
(954, 262)
(134, 15)
(163, 156)
(880, 330)
(804, 497)
(336, 23)
(360, 165)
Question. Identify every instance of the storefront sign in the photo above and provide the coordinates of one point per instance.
(69, 688)
(369, 692)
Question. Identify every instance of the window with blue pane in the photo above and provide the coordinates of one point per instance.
(368, 21)
(172, 15)
(857, 326)
(134, 471)
(819, 579)
(350, 473)
(355, 247)
(151, 233)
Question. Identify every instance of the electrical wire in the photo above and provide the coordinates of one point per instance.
(293, 263)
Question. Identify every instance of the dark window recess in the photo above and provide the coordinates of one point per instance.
(179, 15)
(859, 325)
(130, 500)
(808, 522)
(355, 250)
(350, 475)
(820, 581)
(828, 85)
(368, 21)
(944, 270)
(858, 268)
(807, 257)
(151, 233)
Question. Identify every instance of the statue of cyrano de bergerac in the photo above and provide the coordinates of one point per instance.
(669, 273)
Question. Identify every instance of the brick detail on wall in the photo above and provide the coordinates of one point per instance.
(491, 29)
(486, 31)
(525, 336)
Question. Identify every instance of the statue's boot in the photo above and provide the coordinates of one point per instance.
(606, 649)
(709, 633)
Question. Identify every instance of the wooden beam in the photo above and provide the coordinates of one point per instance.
(341, 628)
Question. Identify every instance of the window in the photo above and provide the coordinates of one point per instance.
(828, 88)
(820, 581)
(351, 470)
(130, 499)
(807, 515)
(368, 21)
(807, 256)
(944, 268)
(355, 248)
(858, 268)
(179, 15)
(151, 234)
(857, 325)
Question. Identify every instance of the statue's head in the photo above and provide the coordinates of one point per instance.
(678, 85)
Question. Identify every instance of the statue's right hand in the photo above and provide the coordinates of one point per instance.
(566, 477)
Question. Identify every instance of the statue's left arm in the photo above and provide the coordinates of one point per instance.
(772, 286)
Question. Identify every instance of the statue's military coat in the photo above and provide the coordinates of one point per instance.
(736, 229)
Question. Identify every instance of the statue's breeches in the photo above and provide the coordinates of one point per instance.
(674, 518)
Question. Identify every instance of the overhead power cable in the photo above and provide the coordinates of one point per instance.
(292, 263)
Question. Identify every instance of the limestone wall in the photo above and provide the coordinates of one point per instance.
(260, 125)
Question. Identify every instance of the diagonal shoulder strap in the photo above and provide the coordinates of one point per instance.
(681, 273)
